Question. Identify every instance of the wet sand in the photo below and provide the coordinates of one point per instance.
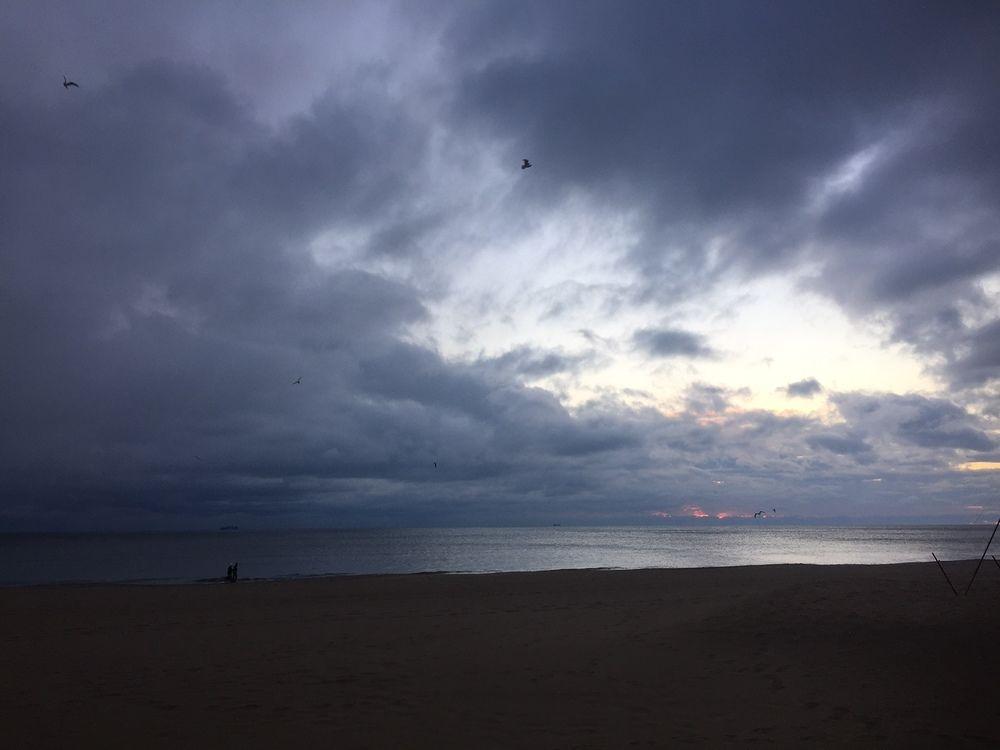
(780, 655)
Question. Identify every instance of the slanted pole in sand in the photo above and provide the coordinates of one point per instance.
(944, 574)
(985, 550)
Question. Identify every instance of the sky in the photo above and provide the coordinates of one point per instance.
(755, 263)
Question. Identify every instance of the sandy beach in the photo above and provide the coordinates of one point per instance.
(782, 655)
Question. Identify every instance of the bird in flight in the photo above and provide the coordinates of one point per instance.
(435, 464)
(297, 381)
(67, 83)
(759, 514)
(525, 163)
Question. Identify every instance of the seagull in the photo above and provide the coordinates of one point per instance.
(297, 381)
(435, 464)
(68, 83)
(759, 514)
(525, 163)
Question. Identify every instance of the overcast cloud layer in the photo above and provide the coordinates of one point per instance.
(240, 195)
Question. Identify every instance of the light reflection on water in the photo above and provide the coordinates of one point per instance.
(49, 558)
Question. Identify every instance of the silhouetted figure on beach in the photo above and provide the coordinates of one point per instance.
(229, 573)
(232, 572)
(236, 571)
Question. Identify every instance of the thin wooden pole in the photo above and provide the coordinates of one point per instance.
(976, 571)
(944, 574)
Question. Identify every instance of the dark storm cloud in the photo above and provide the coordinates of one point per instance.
(926, 430)
(842, 444)
(806, 388)
(160, 293)
(915, 420)
(156, 287)
(864, 132)
(671, 342)
(978, 361)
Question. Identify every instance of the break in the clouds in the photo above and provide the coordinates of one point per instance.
(271, 263)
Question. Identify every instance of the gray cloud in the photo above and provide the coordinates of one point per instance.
(977, 361)
(671, 342)
(842, 444)
(806, 388)
(916, 420)
(704, 398)
(531, 363)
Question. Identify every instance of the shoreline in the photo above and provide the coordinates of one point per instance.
(192, 559)
(166, 582)
(786, 654)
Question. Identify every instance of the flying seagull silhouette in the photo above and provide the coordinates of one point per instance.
(525, 163)
(297, 381)
(759, 514)
(68, 83)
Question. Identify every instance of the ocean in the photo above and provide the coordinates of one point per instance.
(28, 559)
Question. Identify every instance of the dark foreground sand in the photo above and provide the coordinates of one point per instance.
(786, 655)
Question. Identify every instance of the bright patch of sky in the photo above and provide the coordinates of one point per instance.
(766, 333)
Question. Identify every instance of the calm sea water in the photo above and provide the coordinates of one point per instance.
(170, 557)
